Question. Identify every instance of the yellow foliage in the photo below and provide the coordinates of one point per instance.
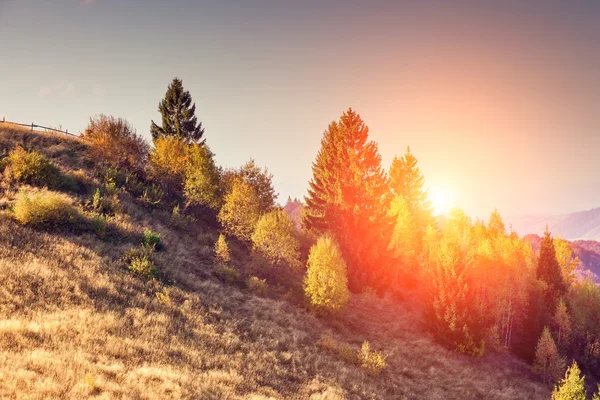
(274, 239)
(44, 207)
(240, 212)
(29, 167)
(372, 361)
(169, 158)
(326, 281)
(222, 253)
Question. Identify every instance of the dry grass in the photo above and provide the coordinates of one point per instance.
(75, 323)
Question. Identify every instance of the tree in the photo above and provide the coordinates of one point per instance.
(325, 284)
(572, 386)
(274, 238)
(260, 180)
(114, 140)
(348, 196)
(548, 364)
(495, 224)
(168, 162)
(202, 178)
(404, 239)
(178, 116)
(240, 212)
(597, 395)
(406, 180)
(222, 253)
(548, 269)
(562, 321)
(566, 260)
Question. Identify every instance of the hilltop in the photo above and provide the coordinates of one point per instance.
(76, 323)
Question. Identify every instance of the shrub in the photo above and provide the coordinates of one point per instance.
(108, 203)
(227, 273)
(257, 285)
(139, 262)
(153, 195)
(151, 240)
(572, 386)
(222, 253)
(99, 226)
(44, 207)
(347, 353)
(116, 142)
(274, 238)
(326, 282)
(180, 221)
(327, 343)
(372, 361)
(31, 168)
(597, 395)
(240, 212)
(548, 364)
(202, 178)
(133, 185)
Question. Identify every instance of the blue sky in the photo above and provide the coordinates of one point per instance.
(501, 104)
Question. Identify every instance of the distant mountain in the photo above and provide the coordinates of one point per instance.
(588, 252)
(583, 225)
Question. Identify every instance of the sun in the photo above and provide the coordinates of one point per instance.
(442, 199)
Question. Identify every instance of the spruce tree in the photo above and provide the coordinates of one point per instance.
(548, 269)
(548, 364)
(178, 115)
(349, 197)
(406, 180)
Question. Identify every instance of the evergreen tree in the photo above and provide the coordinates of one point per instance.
(572, 386)
(349, 197)
(562, 321)
(178, 115)
(548, 269)
(548, 364)
(406, 180)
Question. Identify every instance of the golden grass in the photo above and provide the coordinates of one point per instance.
(74, 323)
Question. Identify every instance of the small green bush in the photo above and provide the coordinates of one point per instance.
(180, 221)
(257, 285)
(99, 226)
(31, 168)
(372, 361)
(139, 262)
(151, 240)
(108, 203)
(44, 207)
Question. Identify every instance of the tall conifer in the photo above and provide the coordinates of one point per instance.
(178, 115)
(349, 197)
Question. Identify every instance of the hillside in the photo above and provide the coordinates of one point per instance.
(75, 323)
(583, 225)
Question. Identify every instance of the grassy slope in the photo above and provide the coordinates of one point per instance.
(74, 323)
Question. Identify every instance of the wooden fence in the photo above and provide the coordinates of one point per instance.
(32, 126)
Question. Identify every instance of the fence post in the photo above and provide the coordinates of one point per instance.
(32, 127)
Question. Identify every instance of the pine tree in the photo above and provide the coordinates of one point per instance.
(406, 180)
(548, 269)
(178, 115)
(349, 197)
(562, 322)
(572, 386)
(548, 364)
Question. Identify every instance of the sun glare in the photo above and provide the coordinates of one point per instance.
(442, 200)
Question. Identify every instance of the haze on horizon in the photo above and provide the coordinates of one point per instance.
(500, 103)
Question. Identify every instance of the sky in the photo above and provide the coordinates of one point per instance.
(499, 101)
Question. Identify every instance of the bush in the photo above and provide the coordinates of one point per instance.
(240, 212)
(257, 285)
(226, 273)
(274, 238)
(99, 226)
(108, 203)
(548, 364)
(153, 195)
(151, 240)
(372, 361)
(31, 168)
(116, 142)
(572, 386)
(326, 281)
(44, 207)
(180, 221)
(202, 178)
(139, 262)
